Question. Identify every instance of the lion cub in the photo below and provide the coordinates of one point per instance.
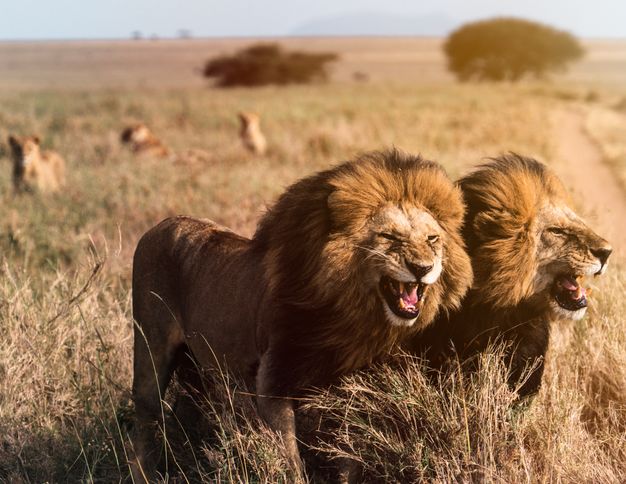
(143, 142)
(251, 134)
(33, 168)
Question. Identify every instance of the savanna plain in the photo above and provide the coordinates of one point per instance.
(65, 258)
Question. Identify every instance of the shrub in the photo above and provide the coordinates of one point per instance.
(264, 64)
(507, 49)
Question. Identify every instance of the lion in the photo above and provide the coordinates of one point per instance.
(143, 142)
(530, 254)
(251, 134)
(348, 263)
(34, 168)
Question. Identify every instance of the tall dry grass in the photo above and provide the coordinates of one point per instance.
(403, 426)
(66, 329)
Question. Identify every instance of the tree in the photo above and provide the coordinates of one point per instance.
(264, 64)
(507, 49)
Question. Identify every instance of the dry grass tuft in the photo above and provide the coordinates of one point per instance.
(403, 426)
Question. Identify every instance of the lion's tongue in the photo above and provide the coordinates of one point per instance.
(575, 290)
(409, 294)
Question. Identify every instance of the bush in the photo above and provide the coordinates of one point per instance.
(507, 49)
(264, 64)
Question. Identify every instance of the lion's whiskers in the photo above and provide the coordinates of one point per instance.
(374, 252)
(388, 259)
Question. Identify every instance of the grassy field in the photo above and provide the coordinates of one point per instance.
(607, 125)
(65, 262)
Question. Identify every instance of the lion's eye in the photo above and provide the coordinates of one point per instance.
(557, 231)
(388, 236)
(433, 238)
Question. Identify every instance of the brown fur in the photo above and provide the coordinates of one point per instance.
(33, 168)
(250, 133)
(521, 234)
(299, 304)
(143, 142)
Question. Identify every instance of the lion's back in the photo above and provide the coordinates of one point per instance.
(184, 245)
(185, 272)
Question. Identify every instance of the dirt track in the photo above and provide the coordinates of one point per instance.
(592, 183)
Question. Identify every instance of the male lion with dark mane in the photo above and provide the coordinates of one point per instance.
(530, 253)
(349, 263)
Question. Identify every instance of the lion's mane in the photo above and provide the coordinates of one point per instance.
(313, 267)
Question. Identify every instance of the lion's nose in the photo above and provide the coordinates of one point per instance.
(418, 270)
(602, 254)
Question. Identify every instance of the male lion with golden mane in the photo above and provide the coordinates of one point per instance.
(34, 168)
(530, 254)
(349, 263)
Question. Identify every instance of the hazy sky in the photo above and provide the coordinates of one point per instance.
(69, 19)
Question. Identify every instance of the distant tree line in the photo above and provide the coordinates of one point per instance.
(264, 64)
(508, 49)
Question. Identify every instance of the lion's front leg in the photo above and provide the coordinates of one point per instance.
(277, 411)
(527, 351)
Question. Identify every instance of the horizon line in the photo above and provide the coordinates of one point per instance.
(150, 38)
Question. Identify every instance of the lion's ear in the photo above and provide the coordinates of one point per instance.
(13, 141)
(338, 209)
(333, 201)
(340, 206)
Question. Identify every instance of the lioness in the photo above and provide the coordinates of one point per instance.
(251, 134)
(33, 168)
(143, 142)
(530, 253)
(347, 264)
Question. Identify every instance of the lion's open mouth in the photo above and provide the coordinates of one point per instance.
(569, 293)
(403, 298)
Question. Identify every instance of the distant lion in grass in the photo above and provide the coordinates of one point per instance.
(348, 264)
(34, 168)
(530, 253)
(250, 133)
(143, 142)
